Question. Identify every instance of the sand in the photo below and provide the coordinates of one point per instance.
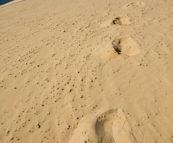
(86, 71)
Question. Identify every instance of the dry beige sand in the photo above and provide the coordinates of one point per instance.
(86, 71)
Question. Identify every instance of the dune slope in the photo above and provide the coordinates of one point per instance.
(86, 71)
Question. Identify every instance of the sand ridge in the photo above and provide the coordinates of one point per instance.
(86, 71)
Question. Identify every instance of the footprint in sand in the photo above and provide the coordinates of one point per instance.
(133, 4)
(125, 46)
(121, 21)
(112, 127)
(116, 21)
(118, 48)
(108, 127)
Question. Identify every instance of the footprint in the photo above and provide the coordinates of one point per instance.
(116, 21)
(104, 126)
(103, 136)
(116, 48)
(121, 21)
(133, 4)
(126, 46)
(112, 127)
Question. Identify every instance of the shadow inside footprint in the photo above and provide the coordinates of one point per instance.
(103, 136)
(126, 46)
(100, 130)
(117, 20)
(108, 139)
(117, 46)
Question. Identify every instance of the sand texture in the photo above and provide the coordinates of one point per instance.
(86, 71)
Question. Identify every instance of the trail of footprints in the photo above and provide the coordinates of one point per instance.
(110, 126)
(122, 46)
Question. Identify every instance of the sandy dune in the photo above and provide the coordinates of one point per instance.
(86, 71)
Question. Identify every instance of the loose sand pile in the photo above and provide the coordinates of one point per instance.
(86, 71)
